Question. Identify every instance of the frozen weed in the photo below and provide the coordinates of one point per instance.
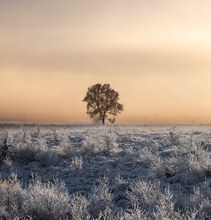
(56, 137)
(25, 136)
(135, 213)
(38, 132)
(8, 137)
(77, 163)
(3, 212)
(105, 214)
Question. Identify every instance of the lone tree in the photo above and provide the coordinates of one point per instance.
(102, 103)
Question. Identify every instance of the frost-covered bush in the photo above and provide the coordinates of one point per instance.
(48, 157)
(144, 194)
(98, 144)
(79, 207)
(110, 143)
(11, 197)
(199, 159)
(151, 160)
(92, 146)
(67, 149)
(201, 200)
(26, 153)
(165, 207)
(101, 200)
(173, 139)
(191, 166)
(47, 201)
(156, 203)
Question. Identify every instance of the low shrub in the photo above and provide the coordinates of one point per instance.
(47, 201)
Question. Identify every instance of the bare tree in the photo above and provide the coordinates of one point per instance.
(102, 103)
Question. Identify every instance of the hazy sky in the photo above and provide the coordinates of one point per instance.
(156, 53)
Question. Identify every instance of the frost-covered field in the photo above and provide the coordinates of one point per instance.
(94, 172)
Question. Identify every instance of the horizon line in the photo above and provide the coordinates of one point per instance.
(3, 123)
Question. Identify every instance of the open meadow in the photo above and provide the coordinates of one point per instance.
(105, 172)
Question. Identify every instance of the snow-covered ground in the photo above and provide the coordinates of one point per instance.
(110, 172)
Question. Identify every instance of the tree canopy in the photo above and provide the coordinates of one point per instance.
(102, 103)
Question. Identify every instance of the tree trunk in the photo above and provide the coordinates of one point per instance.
(103, 120)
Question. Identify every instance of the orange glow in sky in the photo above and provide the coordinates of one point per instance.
(155, 53)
